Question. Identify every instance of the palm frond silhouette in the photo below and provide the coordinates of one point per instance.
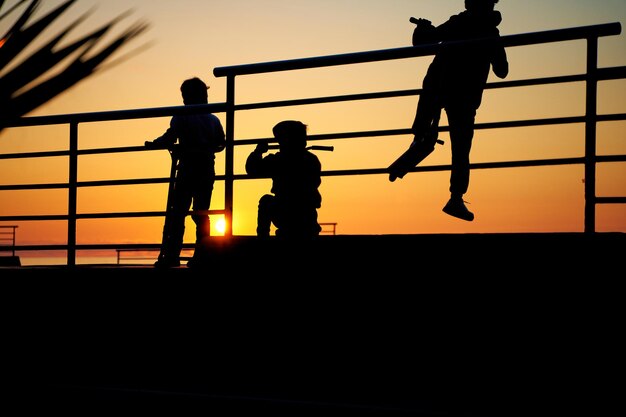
(20, 90)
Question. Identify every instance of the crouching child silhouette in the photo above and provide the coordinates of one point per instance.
(296, 177)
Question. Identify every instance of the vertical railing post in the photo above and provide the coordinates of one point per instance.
(13, 244)
(71, 195)
(229, 156)
(590, 134)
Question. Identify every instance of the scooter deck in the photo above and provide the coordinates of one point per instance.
(417, 152)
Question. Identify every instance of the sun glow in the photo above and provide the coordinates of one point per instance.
(220, 226)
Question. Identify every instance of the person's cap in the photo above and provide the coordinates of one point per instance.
(194, 91)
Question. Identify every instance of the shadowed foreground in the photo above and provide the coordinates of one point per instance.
(347, 326)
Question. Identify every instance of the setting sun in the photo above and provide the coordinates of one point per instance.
(220, 225)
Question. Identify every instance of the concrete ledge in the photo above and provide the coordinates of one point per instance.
(423, 326)
(532, 255)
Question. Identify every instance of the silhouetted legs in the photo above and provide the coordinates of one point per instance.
(191, 186)
(203, 225)
(264, 216)
(290, 222)
(461, 121)
(172, 243)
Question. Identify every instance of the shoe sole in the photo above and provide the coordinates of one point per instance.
(467, 218)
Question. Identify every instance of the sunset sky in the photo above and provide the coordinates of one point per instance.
(190, 38)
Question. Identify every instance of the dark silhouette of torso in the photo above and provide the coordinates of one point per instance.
(458, 73)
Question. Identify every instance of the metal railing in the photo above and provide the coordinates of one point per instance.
(7, 238)
(590, 119)
(328, 228)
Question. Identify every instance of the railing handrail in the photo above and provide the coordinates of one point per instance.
(10, 247)
(605, 73)
(103, 116)
(557, 35)
(523, 39)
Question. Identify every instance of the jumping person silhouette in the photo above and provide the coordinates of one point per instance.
(455, 81)
(199, 136)
(296, 177)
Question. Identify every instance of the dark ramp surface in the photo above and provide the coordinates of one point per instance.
(469, 325)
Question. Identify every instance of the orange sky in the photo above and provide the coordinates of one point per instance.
(190, 38)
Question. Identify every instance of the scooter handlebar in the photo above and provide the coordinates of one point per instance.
(312, 148)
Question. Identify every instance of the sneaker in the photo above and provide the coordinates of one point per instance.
(195, 262)
(456, 208)
(167, 263)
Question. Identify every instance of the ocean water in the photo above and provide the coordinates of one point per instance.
(89, 258)
(82, 260)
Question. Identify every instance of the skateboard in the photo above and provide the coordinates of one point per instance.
(416, 153)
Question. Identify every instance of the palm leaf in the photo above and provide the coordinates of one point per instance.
(40, 61)
(15, 6)
(18, 37)
(19, 91)
(78, 70)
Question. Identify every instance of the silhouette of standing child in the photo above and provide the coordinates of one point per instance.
(455, 81)
(296, 177)
(199, 136)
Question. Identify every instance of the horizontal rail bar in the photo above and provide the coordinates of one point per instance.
(137, 214)
(610, 200)
(479, 165)
(404, 93)
(95, 151)
(524, 39)
(604, 74)
(484, 165)
(320, 137)
(44, 154)
(132, 214)
(100, 246)
(610, 73)
(478, 126)
(135, 181)
(116, 115)
(47, 217)
(509, 164)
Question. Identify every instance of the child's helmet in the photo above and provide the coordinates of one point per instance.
(479, 4)
(291, 133)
